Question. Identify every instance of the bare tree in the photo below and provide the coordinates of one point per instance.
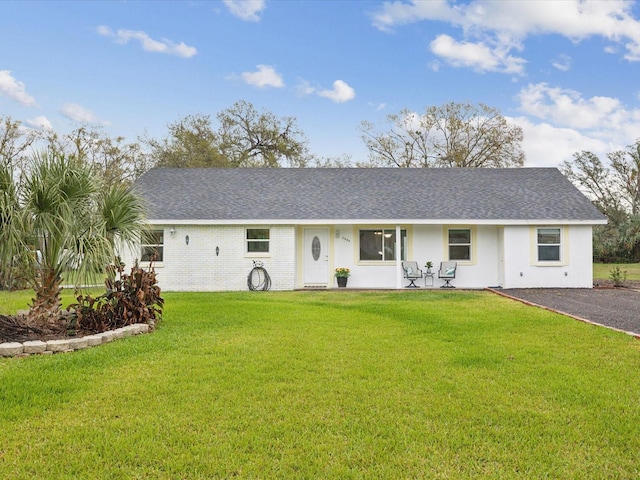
(110, 158)
(451, 135)
(244, 138)
(15, 141)
(191, 142)
(252, 139)
(625, 167)
(614, 187)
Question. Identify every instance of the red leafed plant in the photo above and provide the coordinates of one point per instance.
(131, 298)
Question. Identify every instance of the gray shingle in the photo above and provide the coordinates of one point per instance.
(368, 193)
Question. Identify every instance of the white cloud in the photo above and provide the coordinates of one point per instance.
(569, 123)
(265, 76)
(341, 92)
(397, 13)
(567, 108)
(562, 62)
(495, 28)
(478, 56)
(304, 88)
(15, 89)
(378, 107)
(40, 123)
(77, 113)
(104, 31)
(147, 43)
(248, 10)
(546, 145)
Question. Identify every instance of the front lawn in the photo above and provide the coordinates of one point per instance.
(332, 385)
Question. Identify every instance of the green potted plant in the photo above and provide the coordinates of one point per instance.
(342, 274)
(428, 266)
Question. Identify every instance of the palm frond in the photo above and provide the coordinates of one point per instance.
(123, 214)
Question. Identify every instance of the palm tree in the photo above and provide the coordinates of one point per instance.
(11, 254)
(69, 222)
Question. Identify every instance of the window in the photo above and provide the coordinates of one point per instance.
(380, 245)
(152, 247)
(257, 240)
(459, 241)
(549, 242)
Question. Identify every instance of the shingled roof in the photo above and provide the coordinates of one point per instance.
(423, 195)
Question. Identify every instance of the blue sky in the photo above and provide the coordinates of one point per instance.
(566, 71)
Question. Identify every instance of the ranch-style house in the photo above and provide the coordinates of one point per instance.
(509, 228)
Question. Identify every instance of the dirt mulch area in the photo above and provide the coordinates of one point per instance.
(617, 308)
(20, 329)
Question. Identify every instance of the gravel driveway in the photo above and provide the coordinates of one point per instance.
(617, 308)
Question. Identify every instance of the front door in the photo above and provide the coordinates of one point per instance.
(316, 257)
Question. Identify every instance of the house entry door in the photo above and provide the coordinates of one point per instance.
(316, 257)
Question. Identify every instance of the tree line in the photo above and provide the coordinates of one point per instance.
(449, 135)
(614, 187)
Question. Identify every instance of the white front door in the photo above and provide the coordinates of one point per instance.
(316, 256)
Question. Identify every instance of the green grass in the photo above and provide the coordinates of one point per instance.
(332, 385)
(11, 302)
(603, 270)
(71, 278)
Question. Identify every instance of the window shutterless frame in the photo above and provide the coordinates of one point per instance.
(379, 245)
(459, 244)
(549, 244)
(152, 246)
(257, 240)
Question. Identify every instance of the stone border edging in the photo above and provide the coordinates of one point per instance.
(575, 317)
(17, 349)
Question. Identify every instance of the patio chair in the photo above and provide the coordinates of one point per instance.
(447, 273)
(411, 273)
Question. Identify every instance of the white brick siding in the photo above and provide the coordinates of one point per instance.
(196, 267)
(502, 256)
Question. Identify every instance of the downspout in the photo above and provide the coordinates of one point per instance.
(398, 259)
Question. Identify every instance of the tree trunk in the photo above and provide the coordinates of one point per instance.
(47, 305)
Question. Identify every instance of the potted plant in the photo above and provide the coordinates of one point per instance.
(428, 266)
(342, 274)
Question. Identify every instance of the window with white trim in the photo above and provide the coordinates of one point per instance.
(152, 246)
(257, 240)
(459, 243)
(549, 242)
(380, 245)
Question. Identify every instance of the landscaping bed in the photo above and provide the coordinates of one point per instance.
(19, 329)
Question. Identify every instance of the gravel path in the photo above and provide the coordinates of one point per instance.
(618, 308)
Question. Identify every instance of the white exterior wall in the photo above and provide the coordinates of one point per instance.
(196, 267)
(502, 256)
(426, 242)
(520, 270)
(499, 255)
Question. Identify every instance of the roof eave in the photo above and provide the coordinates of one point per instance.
(377, 221)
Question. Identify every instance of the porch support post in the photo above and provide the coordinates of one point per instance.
(398, 258)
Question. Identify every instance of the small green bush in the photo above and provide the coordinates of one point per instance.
(618, 276)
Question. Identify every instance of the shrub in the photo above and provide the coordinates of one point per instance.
(133, 298)
(618, 276)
